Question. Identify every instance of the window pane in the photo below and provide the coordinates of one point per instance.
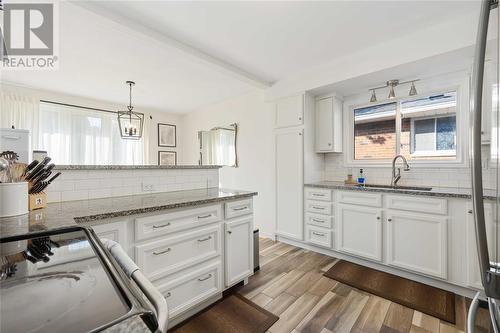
(428, 127)
(445, 133)
(375, 132)
(424, 135)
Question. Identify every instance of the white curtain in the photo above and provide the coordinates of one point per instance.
(20, 111)
(73, 135)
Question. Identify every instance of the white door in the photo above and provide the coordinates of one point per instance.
(324, 124)
(360, 231)
(473, 277)
(289, 152)
(290, 111)
(238, 249)
(417, 242)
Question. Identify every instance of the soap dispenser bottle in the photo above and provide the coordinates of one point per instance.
(361, 178)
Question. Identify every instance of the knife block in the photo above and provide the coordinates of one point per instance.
(37, 201)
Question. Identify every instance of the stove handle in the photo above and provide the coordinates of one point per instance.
(132, 270)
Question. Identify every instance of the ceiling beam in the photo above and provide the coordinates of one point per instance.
(207, 59)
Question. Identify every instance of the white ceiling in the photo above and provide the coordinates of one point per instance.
(185, 55)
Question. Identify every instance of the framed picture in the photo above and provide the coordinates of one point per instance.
(167, 135)
(167, 158)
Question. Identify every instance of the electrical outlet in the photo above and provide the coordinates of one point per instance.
(148, 187)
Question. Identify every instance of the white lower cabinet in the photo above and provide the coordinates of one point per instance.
(319, 236)
(193, 287)
(473, 276)
(417, 242)
(238, 249)
(116, 231)
(360, 231)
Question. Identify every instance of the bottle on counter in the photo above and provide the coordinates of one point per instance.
(361, 178)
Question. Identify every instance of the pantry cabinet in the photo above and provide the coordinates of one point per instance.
(360, 231)
(290, 111)
(328, 112)
(417, 242)
(289, 151)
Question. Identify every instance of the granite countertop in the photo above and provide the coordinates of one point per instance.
(72, 213)
(133, 167)
(445, 192)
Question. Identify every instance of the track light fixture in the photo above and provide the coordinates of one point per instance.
(391, 84)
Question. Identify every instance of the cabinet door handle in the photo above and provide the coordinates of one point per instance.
(229, 232)
(240, 208)
(378, 217)
(205, 278)
(470, 211)
(161, 226)
(162, 252)
(318, 233)
(205, 239)
(319, 221)
(329, 144)
(204, 216)
(168, 294)
(318, 194)
(389, 220)
(320, 208)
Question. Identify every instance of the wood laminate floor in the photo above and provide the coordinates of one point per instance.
(291, 285)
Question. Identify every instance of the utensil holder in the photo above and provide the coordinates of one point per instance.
(37, 201)
(13, 199)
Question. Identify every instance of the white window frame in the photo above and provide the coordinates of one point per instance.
(458, 82)
(430, 153)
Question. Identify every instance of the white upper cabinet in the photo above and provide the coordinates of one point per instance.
(290, 111)
(328, 125)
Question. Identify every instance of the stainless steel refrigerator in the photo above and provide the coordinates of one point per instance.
(484, 107)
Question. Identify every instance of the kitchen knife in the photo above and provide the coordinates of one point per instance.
(36, 174)
(39, 167)
(30, 167)
(45, 184)
(45, 172)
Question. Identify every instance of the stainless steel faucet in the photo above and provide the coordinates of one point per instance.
(397, 177)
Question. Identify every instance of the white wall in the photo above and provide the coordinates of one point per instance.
(152, 117)
(255, 172)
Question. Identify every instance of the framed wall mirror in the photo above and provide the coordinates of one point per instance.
(218, 146)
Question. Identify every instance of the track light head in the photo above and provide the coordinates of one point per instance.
(374, 97)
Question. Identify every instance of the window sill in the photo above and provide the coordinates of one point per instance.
(413, 164)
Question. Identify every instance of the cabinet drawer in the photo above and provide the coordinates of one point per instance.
(357, 198)
(417, 204)
(158, 225)
(166, 256)
(239, 208)
(319, 194)
(319, 236)
(324, 221)
(191, 288)
(319, 207)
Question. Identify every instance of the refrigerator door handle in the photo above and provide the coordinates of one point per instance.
(476, 95)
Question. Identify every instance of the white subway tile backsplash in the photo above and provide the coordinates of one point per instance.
(93, 184)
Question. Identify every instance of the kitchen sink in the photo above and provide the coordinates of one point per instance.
(410, 188)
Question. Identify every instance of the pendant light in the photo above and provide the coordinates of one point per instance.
(392, 84)
(413, 90)
(373, 99)
(130, 122)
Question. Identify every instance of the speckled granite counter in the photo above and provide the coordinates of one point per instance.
(133, 167)
(445, 192)
(71, 213)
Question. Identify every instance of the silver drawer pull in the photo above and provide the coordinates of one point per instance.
(168, 294)
(240, 208)
(318, 233)
(161, 226)
(320, 221)
(205, 239)
(318, 195)
(162, 252)
(316, 207)
(205, 278)
(204, 216)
